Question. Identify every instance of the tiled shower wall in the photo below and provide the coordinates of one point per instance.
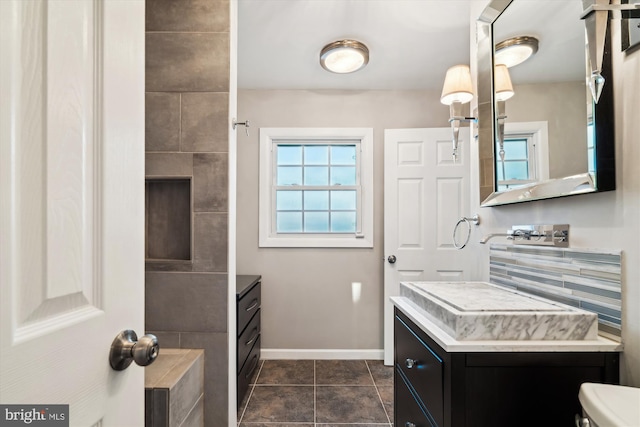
(585, 278)
(187, 101)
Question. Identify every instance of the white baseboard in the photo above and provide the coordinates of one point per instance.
(318, 354)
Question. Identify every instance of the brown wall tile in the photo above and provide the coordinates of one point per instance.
(168, 265)
(210, 182)
(196, 416)
(216, 376)
(168, 165)
(210, 242)
(160, 407)
(166, 339)
(205, 117)
(187, 15)
(195, 302)
(162, 121)
(188, 388)
(187, 62)
(148, 407)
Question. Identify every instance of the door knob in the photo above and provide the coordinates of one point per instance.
(582, 422)
(126, 348)
(392, 259)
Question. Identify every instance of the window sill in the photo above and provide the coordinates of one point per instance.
(311, 242)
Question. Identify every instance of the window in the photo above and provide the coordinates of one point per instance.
(591, 148)
(316, 187)
(525, 158)
(516, 163)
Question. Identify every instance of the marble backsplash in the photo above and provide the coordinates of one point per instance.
(586, 278)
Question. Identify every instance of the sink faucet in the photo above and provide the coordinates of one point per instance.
(486, 238)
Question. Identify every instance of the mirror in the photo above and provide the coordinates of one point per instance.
(549, 139)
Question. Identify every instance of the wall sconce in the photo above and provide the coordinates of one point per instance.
(457, 90)
(503, 91)
(596, 18)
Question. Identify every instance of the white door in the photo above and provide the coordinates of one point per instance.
(71, 205)
(425, 193)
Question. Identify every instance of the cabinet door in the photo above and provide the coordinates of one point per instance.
(248, 339)
(422, 367)
(248, 305)
(408, 412)
(248, 371)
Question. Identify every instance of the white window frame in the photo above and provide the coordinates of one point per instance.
(268, 237)
(537, 134)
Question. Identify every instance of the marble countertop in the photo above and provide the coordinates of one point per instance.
(483, 311)
(450, 344)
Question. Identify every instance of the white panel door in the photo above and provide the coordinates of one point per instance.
(71, 205)
(425, 193)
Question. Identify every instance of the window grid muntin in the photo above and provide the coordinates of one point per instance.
(530, 160)
(307, 188)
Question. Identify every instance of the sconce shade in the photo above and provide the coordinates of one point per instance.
(515, 50)
(457, 85)
(344, 56)
(502, 81)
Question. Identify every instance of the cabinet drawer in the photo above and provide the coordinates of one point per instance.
(248, 371)
(248, 305)
(422, 367)
(408, 411)
(247, 340)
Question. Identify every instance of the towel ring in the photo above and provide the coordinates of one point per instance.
(474, 219)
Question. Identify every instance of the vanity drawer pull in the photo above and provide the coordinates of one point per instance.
(582, 422)
(410, 363)
(253, 305)
(253, 337)
(409, 424)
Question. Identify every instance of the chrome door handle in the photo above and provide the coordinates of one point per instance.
(126, 348)
(392, 259)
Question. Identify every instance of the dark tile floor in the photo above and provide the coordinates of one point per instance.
(319, 393)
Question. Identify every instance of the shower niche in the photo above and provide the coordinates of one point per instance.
(168, 220)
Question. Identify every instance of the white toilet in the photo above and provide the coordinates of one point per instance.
(606, 405)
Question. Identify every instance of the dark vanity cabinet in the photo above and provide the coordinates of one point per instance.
(434, 387)
(248, 328)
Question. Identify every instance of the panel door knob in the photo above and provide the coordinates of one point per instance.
(582, 422)
(391, 259)
(126, 348)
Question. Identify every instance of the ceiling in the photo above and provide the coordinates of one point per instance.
(411, 42)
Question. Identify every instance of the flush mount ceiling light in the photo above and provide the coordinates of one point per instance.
(344, 56)
(515, 50)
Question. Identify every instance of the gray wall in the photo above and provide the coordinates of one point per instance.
(187, 101)
(606, 221)
(307, 302)
(557, 104)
